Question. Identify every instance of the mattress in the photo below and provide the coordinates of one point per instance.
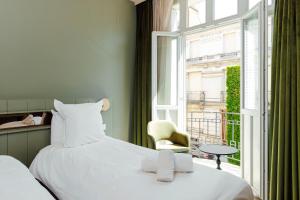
(110, 170)
(17, 183)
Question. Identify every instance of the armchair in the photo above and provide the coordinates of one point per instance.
(163, 134)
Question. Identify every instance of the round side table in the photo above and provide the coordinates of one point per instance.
(218, 150)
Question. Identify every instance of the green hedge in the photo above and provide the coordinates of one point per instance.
(233, 106)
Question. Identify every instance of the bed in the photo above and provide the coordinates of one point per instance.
(110, 169)
(17, 183)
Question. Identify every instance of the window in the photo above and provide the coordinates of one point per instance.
(196, 12)
(167, 70)
(225, 8)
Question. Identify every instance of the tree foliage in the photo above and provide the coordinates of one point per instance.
(233, 106)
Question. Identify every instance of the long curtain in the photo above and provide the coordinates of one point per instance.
(285, 103)
(162, 14)
(141, 107)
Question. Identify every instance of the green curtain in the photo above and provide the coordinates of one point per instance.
(285, 103)
(141, 107)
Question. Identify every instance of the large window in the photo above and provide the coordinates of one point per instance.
(199, 65)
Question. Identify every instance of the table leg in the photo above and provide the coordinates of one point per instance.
(218, 162)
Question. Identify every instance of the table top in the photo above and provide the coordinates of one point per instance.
(217, 149)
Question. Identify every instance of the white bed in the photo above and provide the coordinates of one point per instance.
(17, 183)
(110, 170)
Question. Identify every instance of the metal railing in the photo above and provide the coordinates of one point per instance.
(196, 97)
(201, 97)
(207, 58)
(206, 127)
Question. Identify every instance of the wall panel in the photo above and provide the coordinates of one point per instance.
(17, 146)
(36, 141)
(3, 144)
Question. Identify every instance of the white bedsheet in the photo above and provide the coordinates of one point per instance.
(16, 182)
(111, 170)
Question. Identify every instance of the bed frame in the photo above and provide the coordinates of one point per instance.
(24, 143)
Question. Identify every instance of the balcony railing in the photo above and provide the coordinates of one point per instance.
(213, 128)
(202, 98)
(208, 58)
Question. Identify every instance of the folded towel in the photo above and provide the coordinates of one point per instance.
(165, 166)
(149, 165)
(183, 164)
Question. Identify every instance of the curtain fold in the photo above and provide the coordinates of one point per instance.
(162, 10)
(141, 99)
(285, 103)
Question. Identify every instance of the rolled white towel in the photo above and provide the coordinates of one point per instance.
(165, 166)
(149, 165)
(183, 163)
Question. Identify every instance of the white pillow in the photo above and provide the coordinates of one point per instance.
(83, 122)
(58, 129)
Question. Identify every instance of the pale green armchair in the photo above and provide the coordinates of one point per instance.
(163, 134)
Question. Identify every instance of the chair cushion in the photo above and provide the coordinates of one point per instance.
(166, 144)
(180, 139)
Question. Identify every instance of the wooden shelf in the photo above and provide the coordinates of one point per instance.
(24, 129)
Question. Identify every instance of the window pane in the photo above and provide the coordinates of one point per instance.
(208, 54)
(167, 70)
(173, 116)
(197, 12)
(161, 114)
(252, 3)
(251, 62)
(213, 43)
(225, 8)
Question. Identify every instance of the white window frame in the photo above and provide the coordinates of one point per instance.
(258, 112)
(243, 7)
(179, 107)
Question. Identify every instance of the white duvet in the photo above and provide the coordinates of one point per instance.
(110, 170)
(16, 182)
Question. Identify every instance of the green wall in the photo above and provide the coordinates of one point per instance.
(69, 49)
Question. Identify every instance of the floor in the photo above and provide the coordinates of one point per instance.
(233, 169)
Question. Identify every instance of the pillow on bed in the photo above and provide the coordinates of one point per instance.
(58, 129)
(83, 122)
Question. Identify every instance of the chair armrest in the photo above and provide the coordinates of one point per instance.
(151, 142)
(180, 138)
